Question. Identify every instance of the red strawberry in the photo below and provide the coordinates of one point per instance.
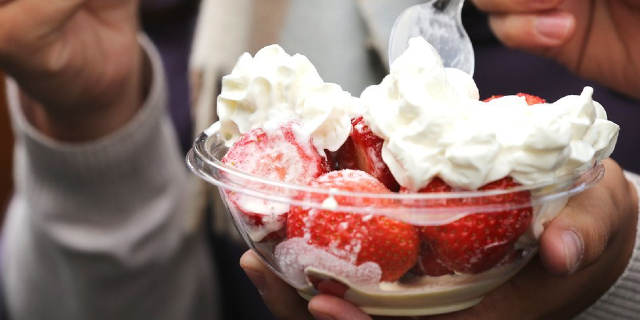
(363, 151)
(355, 237)
(278, 154)
(531, 99)
(479, 241)
(328, 286)
(495, 96)
(429, 264)
(345, 157)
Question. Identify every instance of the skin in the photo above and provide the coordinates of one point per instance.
(78, 63)
(574, 33)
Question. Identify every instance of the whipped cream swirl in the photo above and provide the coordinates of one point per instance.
(275, 85)
(434, 125)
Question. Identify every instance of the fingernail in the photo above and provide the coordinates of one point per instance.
(574, 250)
(554, 26)
(321, 316)
(257, 279)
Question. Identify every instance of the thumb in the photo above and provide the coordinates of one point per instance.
(573, 240)
(590, 222)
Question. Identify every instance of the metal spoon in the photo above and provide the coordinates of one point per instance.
(440, 23)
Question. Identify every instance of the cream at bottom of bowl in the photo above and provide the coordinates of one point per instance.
(419, 296)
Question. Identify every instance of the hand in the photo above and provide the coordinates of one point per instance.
(594, 39)
(582, 253)
(77, 62)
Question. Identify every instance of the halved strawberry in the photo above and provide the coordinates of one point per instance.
(363, 151)
(478, 241)
(345, 157)
(354, 237)
(277, 152)
(531, 99)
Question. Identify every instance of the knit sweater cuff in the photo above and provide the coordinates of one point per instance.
(622, 301)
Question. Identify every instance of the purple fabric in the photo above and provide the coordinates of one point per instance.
(171, 30)
(150, 5)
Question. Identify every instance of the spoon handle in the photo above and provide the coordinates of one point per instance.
(440, 23)
(442, 26)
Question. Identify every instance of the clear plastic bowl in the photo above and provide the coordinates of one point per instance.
(303, 267)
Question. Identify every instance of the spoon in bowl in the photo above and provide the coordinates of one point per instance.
(440, 23)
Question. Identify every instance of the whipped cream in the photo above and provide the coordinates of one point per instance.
(433, 124)
(430, 117)
(275, 85)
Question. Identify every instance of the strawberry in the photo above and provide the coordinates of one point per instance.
(495, 96)
(363, 151)
(531, 99)
(346, 157)
(274, 152)
(478, 241)
(354, 237)
(328, 286)
(429, 264)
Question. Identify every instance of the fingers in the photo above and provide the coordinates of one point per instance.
(285, 303)
(281, 299)
(530, 25)
(330, 307)
(591, 222)
(533, 30)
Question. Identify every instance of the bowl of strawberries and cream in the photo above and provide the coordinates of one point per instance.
(415, 198)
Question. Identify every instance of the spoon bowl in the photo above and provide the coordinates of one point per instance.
(440, 23)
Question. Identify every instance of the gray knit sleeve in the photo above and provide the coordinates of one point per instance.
(622, 301)
(102, 230)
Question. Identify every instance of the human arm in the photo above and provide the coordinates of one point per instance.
(105, 225)
(607, 226)
(99, 226)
